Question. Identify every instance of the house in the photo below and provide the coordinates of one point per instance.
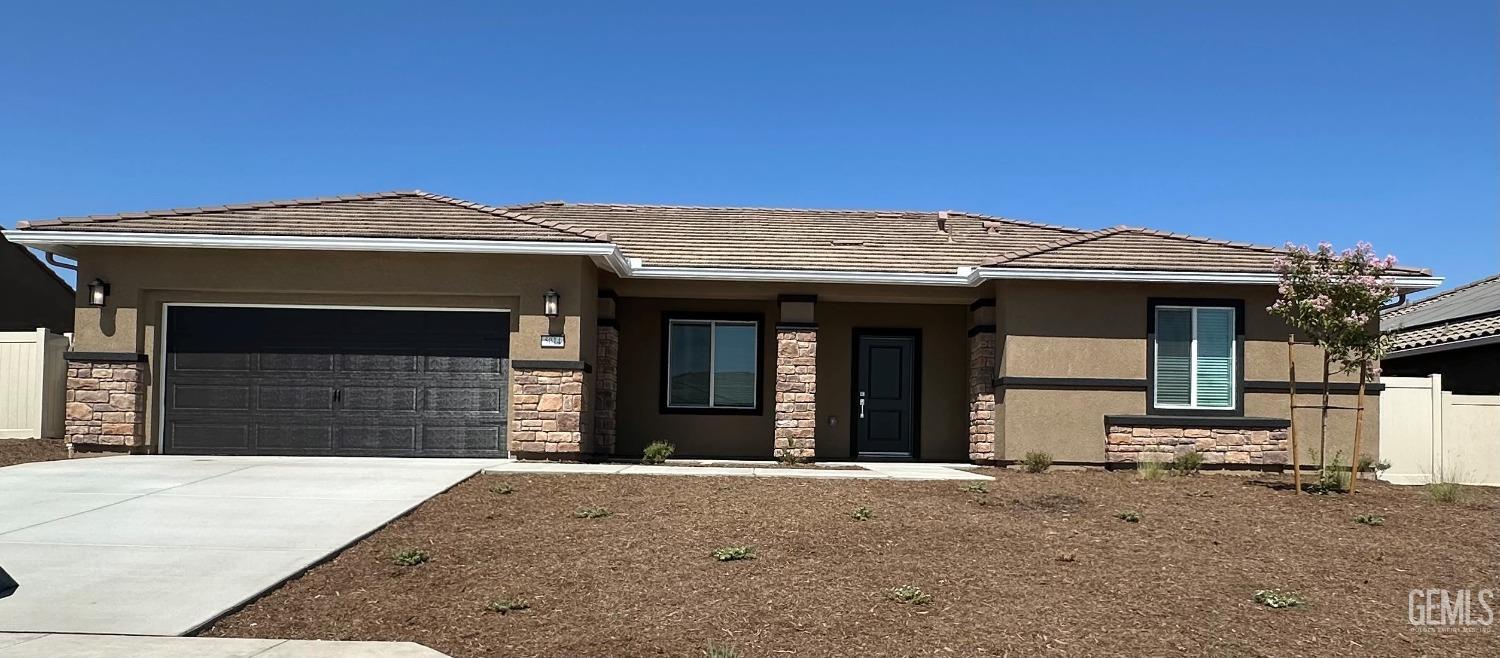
(33, 296)
(1455, 334)
(413, 324)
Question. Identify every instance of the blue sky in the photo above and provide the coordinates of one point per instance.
(1260, 121)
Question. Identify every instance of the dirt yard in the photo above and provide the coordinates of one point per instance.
(21, 451)
(1038, 565)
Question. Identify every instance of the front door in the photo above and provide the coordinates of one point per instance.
(885, 395)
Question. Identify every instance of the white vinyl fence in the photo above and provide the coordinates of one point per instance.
(1432, 435)
(33, 377)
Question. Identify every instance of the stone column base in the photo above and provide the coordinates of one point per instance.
(982, 395)
(796, 392)
(106, 403)
(547, 410)
(606, 387)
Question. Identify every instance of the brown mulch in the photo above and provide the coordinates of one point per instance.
(1039, 565)
(21, 451)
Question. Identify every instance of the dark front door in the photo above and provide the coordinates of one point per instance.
(885, 395)
(300, 381)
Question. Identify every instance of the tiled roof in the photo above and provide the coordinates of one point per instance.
(1466, 312)
(411, 214)
(801, 239)
(1131, 248)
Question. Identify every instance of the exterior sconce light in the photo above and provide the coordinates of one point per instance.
(549, 303)
(98, 290)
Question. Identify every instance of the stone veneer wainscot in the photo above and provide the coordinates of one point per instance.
(547, 412)
(106, 404)
(1219, 445)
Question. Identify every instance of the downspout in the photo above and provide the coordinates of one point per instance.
(53, 261)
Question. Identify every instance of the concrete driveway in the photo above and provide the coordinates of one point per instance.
(159, 545)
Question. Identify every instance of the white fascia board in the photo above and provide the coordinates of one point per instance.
(1168, 276)
(797, 276)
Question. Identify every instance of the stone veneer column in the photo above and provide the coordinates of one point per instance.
(547, 410)
(106, 402)
(982, 394)
(606, 386)
(796, 391)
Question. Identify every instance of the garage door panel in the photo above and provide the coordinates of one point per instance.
(335, 382)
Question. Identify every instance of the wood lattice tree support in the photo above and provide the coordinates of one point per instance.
(1292, 407)
(1359, 426)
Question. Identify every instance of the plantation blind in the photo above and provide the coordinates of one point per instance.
(1195, 357)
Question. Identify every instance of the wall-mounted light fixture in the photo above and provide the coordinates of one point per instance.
(98, 290)
(549, 303)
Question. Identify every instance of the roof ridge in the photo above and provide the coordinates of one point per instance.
(1401, 310)
(997, 219)
(1069, 241)
(510, 213)
(200, 210)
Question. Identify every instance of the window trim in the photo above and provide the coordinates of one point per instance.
(1237, 306)
(755, 319)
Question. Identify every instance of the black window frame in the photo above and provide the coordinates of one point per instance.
(664, 378)
(1239, 355)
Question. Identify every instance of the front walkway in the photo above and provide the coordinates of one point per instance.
(37, 645)
(825, 470)
(159, 545)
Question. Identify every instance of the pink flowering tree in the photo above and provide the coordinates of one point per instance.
(1333, 299)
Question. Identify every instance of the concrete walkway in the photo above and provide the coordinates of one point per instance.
(34, 645)
(847, 470)
(159, 545)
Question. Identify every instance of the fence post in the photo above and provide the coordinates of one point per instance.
(1435, 393)
(39, 398)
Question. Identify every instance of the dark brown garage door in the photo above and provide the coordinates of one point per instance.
(299, 381)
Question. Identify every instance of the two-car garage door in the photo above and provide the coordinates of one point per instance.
(359, 382)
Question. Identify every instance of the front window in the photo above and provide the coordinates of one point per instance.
(1195, 357)
(711, 364)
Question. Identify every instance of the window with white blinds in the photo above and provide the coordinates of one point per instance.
(1195, 357)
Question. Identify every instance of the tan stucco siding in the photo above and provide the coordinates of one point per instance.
(142, 280)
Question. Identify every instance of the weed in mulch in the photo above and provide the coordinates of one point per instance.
(732, 553)
(1370, 519)
(1275, 598)
(503, 489)
(409, 557)
(909, 595)
(657, 452)
(1067, 557)
(863, 514)
(1151, 469)
(1130, 516)
(590, 513)
(1187, 463)
(974, 488)
(1036, 462)
(1445, 492)
(717, 651)
(508, 604)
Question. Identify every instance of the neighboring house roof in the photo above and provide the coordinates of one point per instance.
(937, 247)
(1465, 313)
(384, 215)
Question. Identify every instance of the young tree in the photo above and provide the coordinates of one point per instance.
(1334, 298)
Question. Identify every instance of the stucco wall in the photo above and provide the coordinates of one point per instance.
(142, 280)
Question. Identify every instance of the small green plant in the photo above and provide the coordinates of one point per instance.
(1275, 598)
(732, 553)
(1445, 492)
(1187, 463)
(658, 452)
(863, 514)
(1130, 516)
(788, 458)
(590, 513)
(910, 595)
(1150, 469)
(1036, 462)
(409, 557)
(1333, 478)
(717, 651)
(1370, 519)
(508, 604)
(503, 489)
(974, 488)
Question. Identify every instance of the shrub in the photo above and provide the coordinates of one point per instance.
(863, 514)
(1369, 519)
(1187, 463)
(409, 557)
(716, 651)
(509, 604)
(909, 594)
(788, 458)
(732, 553)
(1036, 462)
(503, 488)
(590, 513)
(974, 488)
(1131, 516)
(658, 452)
(1151, 469)
(1333, 478)
(1275, 598)
(1445, 492)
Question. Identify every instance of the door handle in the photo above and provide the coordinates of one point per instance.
(861, 405)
